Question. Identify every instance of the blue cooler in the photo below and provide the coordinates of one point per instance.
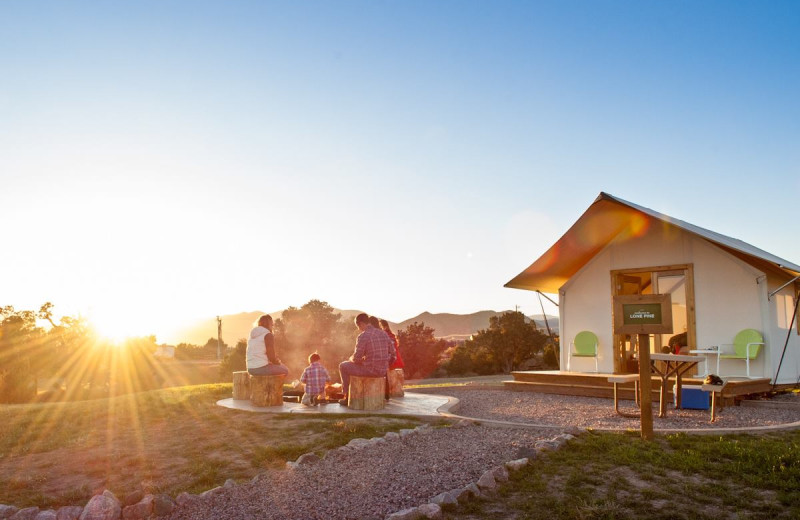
(692, 397)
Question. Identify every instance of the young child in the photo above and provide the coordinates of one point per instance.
(314, 377)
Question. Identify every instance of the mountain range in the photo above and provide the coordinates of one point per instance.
(445, 325)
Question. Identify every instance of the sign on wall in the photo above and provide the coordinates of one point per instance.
(643, 314)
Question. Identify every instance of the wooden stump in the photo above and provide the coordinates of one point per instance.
(396, 379)
(366, 393)
(266, 390)
(241, 385)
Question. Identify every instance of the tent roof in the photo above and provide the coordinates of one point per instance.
(609, 217)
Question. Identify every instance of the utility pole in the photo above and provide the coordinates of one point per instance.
(219, 338)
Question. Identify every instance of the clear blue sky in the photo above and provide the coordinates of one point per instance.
(167, 160)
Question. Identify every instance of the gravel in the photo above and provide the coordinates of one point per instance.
(373, 481)
(597, 412)
(384, 477)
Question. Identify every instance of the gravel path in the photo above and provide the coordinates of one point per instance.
(597, 412)
(373, 481)
(392, 475)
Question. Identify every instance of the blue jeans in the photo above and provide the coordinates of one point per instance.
(269, 370)
(348, 368)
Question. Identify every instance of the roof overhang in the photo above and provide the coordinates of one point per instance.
(609, 218)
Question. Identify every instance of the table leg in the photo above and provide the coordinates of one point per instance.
(662, 402)
(616, 401)
(678, 390)
(713, 406)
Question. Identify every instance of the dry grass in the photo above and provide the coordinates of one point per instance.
(168, 441)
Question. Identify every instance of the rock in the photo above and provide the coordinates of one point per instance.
(185, 499)
(473, 490)
(133, 498)
(406, 514)
(212, 492)
(7, 511)
(391, 436)
(291, 465)
(574, 430)
(464, 423)
(546, 445)
(516, 465)
(358, 443)
(487, 481)
(432, 511)
(102, 507)
(49, 514)
(69, 513)
(445, 500)
(163, 505)
(229, 483)
(405, 431)
(29, 513)
(308, 458)
(139, 510)
(462, 495)
(525, 452)
(377, 440)
(500, 474)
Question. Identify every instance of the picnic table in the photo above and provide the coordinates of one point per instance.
(671, 365)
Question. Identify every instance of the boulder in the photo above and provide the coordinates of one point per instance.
(229, 483)
(525, 452)
(163, 505)
(445, 500)
(431, 511)
(29, 513)
(358, 443)
(185, 499)
(49, 514)
(516, 465)
(102, 507)
(133, 498)
(406, 514)
(69, 513)
(308, 458)
(405, 431)
(212, 492)
(487, 481)
(7, 511)
(391, 436)
(500, 474)
(139, 510)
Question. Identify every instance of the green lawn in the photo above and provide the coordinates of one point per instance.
(618, 476)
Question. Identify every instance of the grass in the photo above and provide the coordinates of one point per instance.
(170, 440)
(617, 476)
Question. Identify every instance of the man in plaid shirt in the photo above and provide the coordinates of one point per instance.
(314, 377)
(371, 357)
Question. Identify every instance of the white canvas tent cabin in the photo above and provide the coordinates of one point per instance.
(718, 286)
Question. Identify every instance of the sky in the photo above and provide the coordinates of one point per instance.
(167, 161)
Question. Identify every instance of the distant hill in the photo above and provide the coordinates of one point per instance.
(448, 326)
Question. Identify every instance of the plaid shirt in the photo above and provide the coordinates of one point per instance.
(373, 349)
(314, 377)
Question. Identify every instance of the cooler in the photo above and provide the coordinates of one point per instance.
(692, 397)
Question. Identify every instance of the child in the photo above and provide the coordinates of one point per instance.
(314, 376)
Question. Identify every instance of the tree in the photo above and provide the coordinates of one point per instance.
(234, 361)
(19, 336)
(314, 327)
(510, 340)
(420, 350)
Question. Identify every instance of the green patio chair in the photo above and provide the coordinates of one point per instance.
(746, 345)
(585, 344)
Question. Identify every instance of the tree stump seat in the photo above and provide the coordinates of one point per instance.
(395, 380)
(266, 390)
(366, 393)
(241, 385)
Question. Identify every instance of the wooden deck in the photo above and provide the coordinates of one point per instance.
(597, 385)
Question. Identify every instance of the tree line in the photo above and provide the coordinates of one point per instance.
(34, 346)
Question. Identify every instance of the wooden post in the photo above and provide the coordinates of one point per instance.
(645, 387)
(395, 379)
(241, 385)
(266, 390)
(366, 393)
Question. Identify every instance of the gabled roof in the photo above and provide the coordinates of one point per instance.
(609, 217)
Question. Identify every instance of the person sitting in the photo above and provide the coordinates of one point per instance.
(371, 356)
(260, 354)
(314, 377)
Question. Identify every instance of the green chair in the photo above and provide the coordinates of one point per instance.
(746, 345)
(584, 345)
